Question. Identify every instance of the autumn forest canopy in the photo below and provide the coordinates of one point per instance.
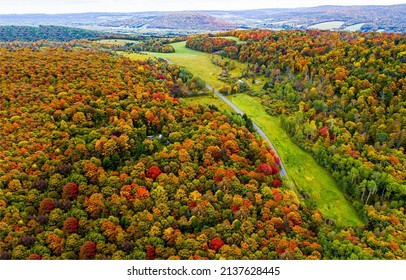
(100, 159)
(339, 95)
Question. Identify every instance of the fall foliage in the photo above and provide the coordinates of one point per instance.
(100, 160)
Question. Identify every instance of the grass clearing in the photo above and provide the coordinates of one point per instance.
(327, 25)
(199, 64)
(137, 56)
(207, 100)
(302, 168)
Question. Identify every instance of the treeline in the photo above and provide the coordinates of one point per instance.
(151, 45)
(45, 32)
(146, 44)
(206, 43)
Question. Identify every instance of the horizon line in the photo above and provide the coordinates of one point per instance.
(199, 10)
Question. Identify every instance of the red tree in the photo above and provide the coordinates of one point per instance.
(150, 252)
(216, 243)
(276, 195)
(87, 250)
(70, 225)
(70, 191)
(324, 131)
(34, 257)
(276, 183)
(46, 206)
(154, 172)
(265, 168)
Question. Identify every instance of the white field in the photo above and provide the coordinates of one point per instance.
(327, 25)
(355, 27)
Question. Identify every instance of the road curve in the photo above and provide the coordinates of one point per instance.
(282, 172)
(256, 127)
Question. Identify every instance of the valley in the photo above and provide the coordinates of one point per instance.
(390, 18)
(123, 142)
(309, 179)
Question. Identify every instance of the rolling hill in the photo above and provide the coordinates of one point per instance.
(189, 21)
(389, 18)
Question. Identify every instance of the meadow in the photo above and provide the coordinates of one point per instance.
(355, 27)
(327, 25)
(207, 100)
(137, 56)
(200, 64)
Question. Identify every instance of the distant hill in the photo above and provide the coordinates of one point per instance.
(189, 21)
(49, 32)
(367, 18)
(353, 18)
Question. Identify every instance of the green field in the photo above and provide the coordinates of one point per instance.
(304, 171)
(207, 100)
(137, 56)
(199, 64)
(327, 25)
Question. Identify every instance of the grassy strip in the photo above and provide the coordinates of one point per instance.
(137, 56)
(305, 172)
(208, 100)
(199, 64)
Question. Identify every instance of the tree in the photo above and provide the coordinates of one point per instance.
(154, 172)
(216, 243)
(70, 225)
(70, 191)
(372, 188)
(88, 250)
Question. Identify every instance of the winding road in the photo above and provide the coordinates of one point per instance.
(256, 127)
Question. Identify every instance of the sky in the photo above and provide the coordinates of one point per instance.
(79, 6)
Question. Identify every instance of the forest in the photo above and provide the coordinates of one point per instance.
(340, 95)
(206, 43)
(100, 159)
(45, 32)
(143, 44)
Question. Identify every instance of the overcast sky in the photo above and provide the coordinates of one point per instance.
(77, 6)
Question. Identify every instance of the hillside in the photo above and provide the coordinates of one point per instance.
(189, 21)
(49, 32)
(99, 161)
(367, 18)
(328, 90)
(340, 97)
(364, 18)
